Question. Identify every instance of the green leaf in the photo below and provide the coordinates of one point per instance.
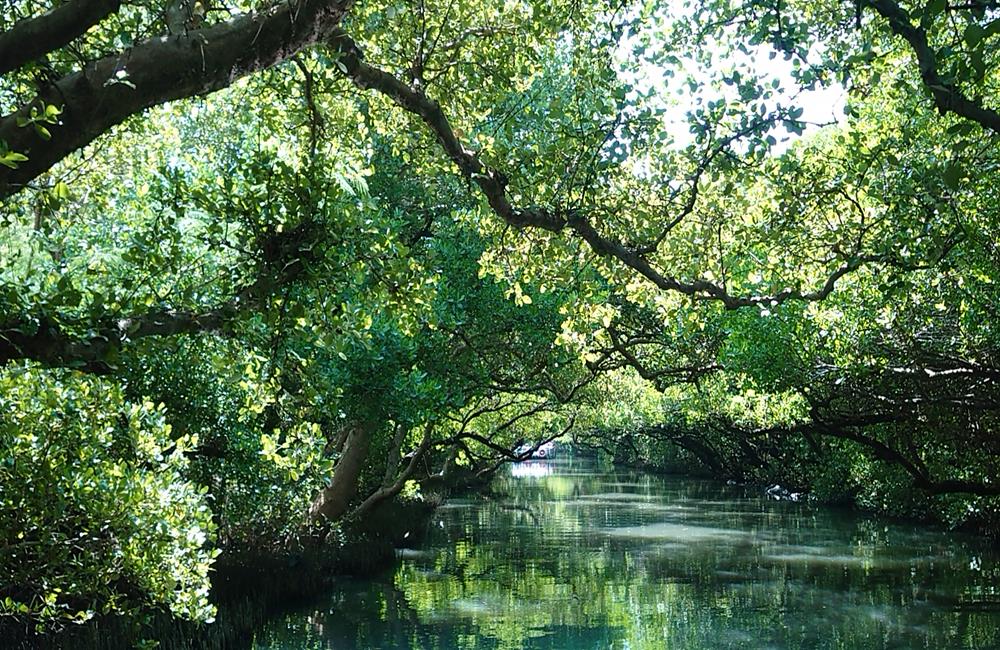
(973, 35)
(11, 158)
(953, 175)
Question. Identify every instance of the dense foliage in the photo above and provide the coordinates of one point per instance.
(98, 512)
(267, 265)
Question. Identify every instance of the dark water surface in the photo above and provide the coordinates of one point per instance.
(564, 555)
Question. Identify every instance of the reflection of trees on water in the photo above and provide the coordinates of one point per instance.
(531, 468)
(581, 560)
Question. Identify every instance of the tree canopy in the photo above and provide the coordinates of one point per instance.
(267, 265)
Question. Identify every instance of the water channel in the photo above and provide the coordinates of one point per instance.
(564, 555)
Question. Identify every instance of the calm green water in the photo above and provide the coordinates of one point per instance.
(566, 556)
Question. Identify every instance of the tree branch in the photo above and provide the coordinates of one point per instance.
(849, 428)
(492, 183)
(31, 38)
(37, 337)
(50, 344)
(158, 70)
(390, 490)
(947, 97)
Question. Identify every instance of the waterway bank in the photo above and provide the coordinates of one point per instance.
(250, 588)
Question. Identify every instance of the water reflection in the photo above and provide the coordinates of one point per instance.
(531, 468)
(565, 556)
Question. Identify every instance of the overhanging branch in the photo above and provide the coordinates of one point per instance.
(31, 38)
(51, 344)
(158, 70)
(947, 96)
(492, 183)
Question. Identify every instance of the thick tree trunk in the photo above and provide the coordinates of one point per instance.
(332, 501)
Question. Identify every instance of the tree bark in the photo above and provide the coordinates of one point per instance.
(51, 345)
(948, 98)
(158, 70)
(31, 38)
(389, 490)
(395, 454)
(333, 500)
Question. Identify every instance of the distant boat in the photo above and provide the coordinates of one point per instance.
(546, 450)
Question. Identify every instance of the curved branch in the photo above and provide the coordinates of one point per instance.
(158, 70)
(947, 97)
(492, 183)
(849, 428)
(390, 490)
(921, 478)
(661, 377)
(31, 38)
